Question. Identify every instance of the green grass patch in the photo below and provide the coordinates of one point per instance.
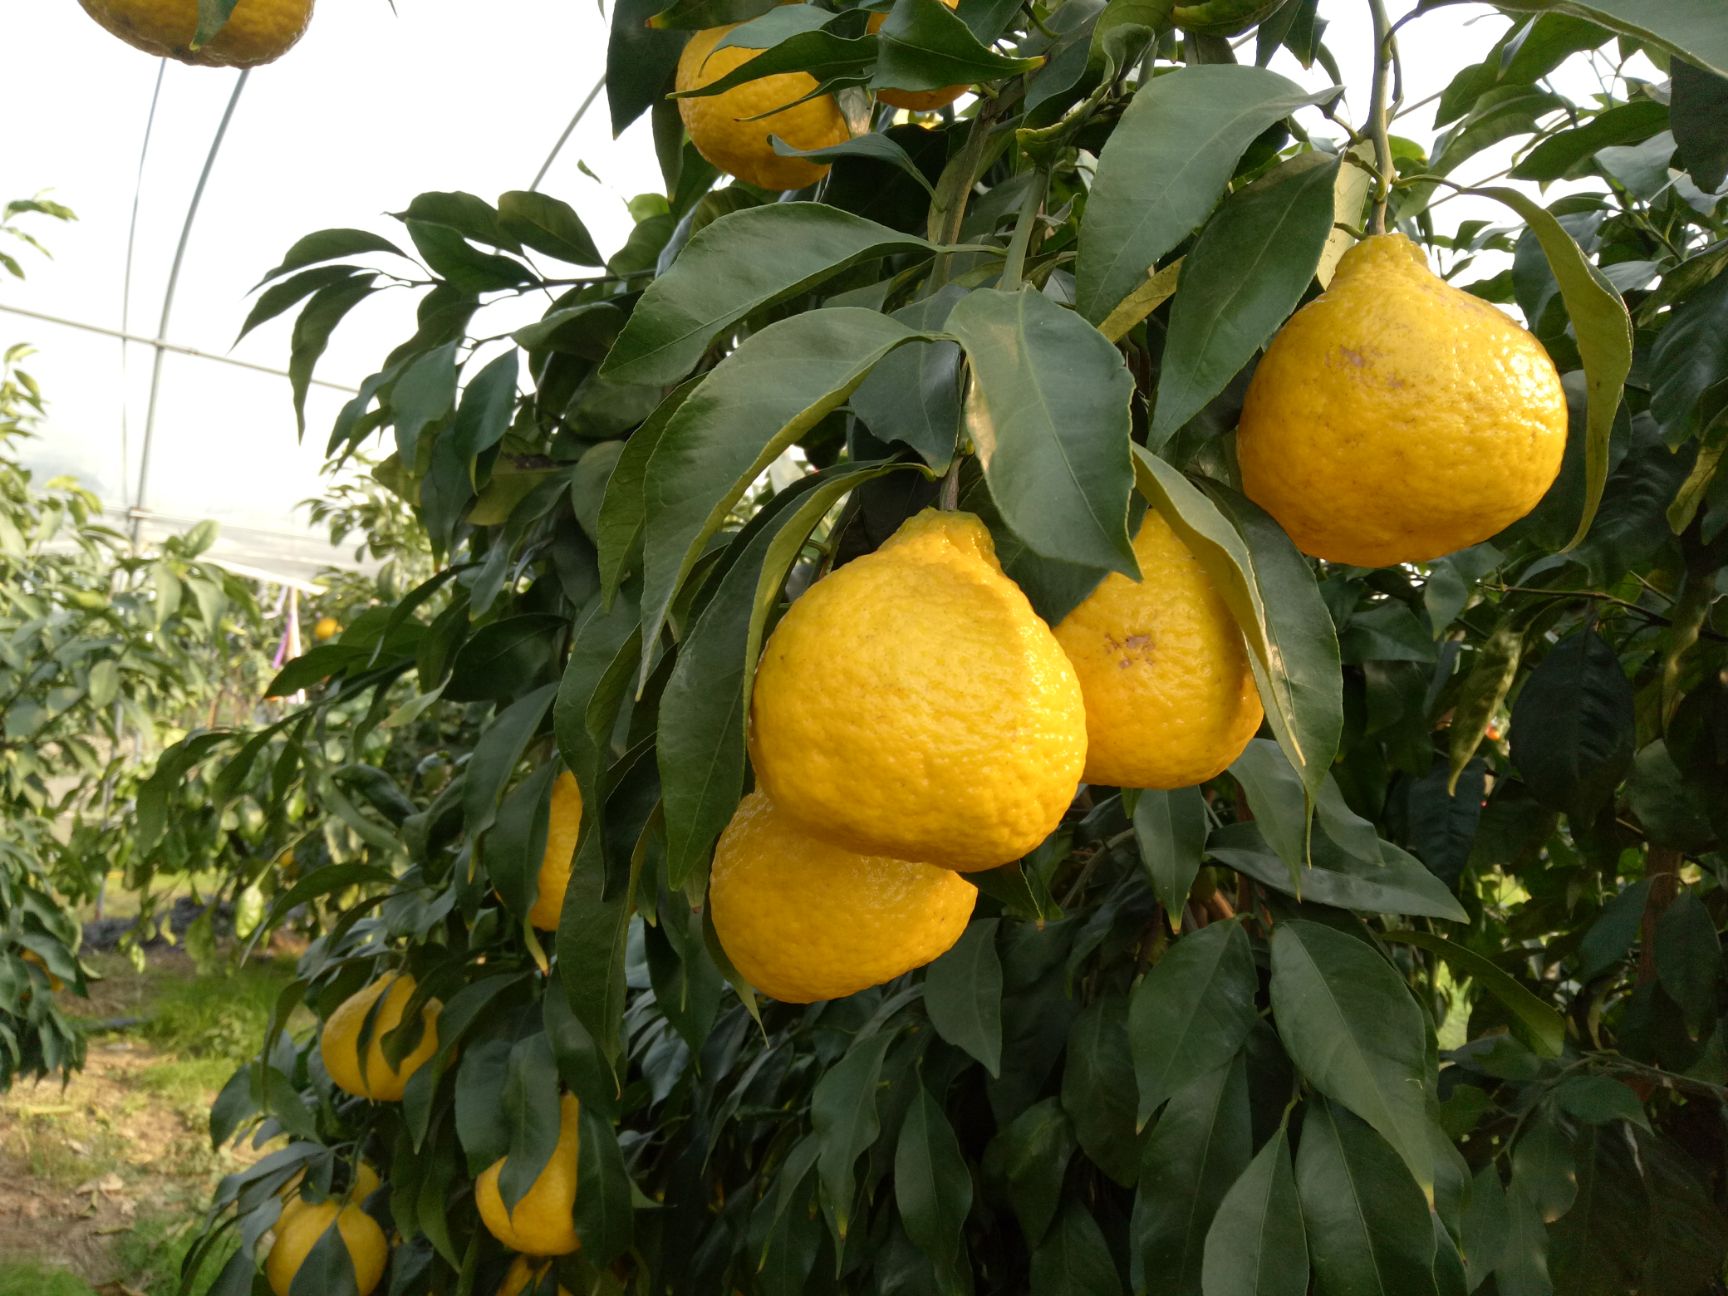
(219, 1017)
(34, 1280)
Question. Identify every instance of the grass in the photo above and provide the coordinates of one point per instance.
(219, 1017)
(149, 1255)
(28, 1279)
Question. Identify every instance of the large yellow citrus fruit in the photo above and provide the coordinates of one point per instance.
(296, 1235)
(562, 828)
(804, 920)
(1396, 418)
(258, 31)
(913, 705)
(723, 126)
(1170, 700)
(339, 1044)
(366, 1182)
(521, 1273)
(541, 1224)
(917, 100)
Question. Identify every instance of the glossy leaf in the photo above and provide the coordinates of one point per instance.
(843, 1114)
(1257, 1245)
(963, 995)
(913, 394)
(1098, 1088)
(1074, 1259)
(931, 1181)
(1546, 1028)
(1572, 726)
(1193, 1011)
(1047, 411)
(1170, 829)
(1245, 274)
(1689, 28)
(1166, 165)
(1352, 1029)
(734, 267)
(602, 1212)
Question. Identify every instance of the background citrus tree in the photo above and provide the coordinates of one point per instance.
(1423, 995)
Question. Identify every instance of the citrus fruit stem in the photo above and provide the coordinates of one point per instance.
(1380, 123)
(1025, 229)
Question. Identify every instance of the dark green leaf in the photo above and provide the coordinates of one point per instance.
(1572, 726)
(843, 1115)
(1170, 829)
(1192, 1013)
(1689, 358)
(547, 225)
(1074, 1259)
(1351, 1027)
(1257, 1245)
(1700, 123)
(621, 509)
(1599, 1100)
(329, 245)
(1559, 153)
(462, 265)
(931, 1181)
(1246, 273)
(1048, 413)
(280, 297)
(1367, 1221)
(1487, 1221)
(639, 61)
(734, 267)
(1598, 1247)
(1522, 1269)
(1689, 959)
(1199, 1147)
(1545, 1027)
(1608, 939)
(1029, 1159)
(1166, 164)
(775, 387)
(312, 330)
(963, 995)
(912, 396)
(1544, 1169)
(872, 145)
(603, 1212)
(925, 46)
(503, 658)
(529, 1100)
(1690, 28)
(1098, 1088)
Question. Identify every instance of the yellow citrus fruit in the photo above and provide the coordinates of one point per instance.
(913, 705)
(258, 31)
(521, 1273)
(327, 628)
(561, 832)
(804, 920)
(339, 1044)
(541, 1224)
(366, 1182)
(917, 100)
(296, 1235)
(1396, 418)
(724, 128)
(1170, 700)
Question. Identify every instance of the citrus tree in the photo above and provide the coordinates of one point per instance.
(1073, 707)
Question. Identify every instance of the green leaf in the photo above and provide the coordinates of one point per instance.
(1700, 123)
(1600, 1100)
(1193, 1011)
(1367, 1220)
(505, 657)
(912, 396)
(1522, 1269)
(496, 755)
(1688, 360)
(280, 297)
(707, 697)
(547, 225)
(1170, 829)
(1197, 1150)
(1487, 1222)
(639, 61)
(1493, 668)
(1165, 166)
(529, 1100)
(488, 401)
(1351, 1027)
(1608, 939)
(1545, 1027)
(1598, 1247)
(513, 850)
(1246, 273)
(1098, 1088)
(1603, 328)
(1690, 28)
(1557, 155)
(775, 387)
(1544, 1167)
(843, 1115)
(329, 245)
(462, 265)
(963, 995)
(603, 1212)
(1256, 1245)
(1048, 414)
(1074, 1259)
(1689, 959)
(873, 146)
(312, 330)
(932, 1184)
(734, 267)
(1028, 1160)
(1303, 699)
(925, 46)
(1572, 726)
(619, 528)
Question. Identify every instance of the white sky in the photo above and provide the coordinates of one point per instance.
(369, 109)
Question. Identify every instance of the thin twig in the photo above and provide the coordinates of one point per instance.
(1379, 123)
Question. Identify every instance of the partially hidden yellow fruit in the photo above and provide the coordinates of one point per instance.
(913, 705)
(258, 31)
(327, 628)
(724, 128)
(366, 1182)
(917, 100)
(521, 1273)
(804, 920)
(541, 1224)
(1396, 418)
(339, 1044)
(296, 1235)
(562, 828)
(1170, 699)
(31, 956)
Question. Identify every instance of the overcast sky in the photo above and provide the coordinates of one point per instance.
(370, 108)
